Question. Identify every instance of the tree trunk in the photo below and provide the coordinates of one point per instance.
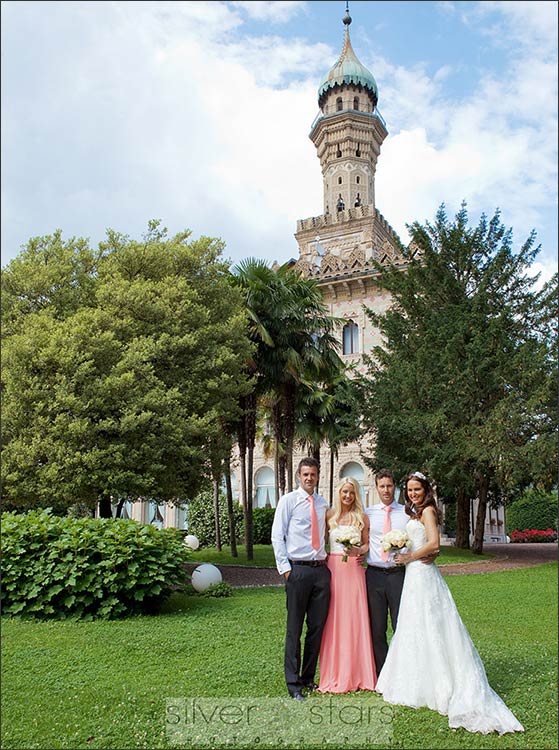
(281, 469)
(289, 436)
(315, 453)
(483, 487)
(279, 458)
(230, 512)
(332, 456)
(250, 422)
(289, 462)
(462, 519)
(105, 509)
(248, 510)
(276, 473)
(216, 513)
(243, 472)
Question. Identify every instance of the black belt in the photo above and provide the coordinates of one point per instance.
(312, 563)
(393, 569)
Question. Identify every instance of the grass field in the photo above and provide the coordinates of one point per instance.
(106, 684)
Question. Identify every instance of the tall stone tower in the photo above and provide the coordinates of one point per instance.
(347, 133)
(337, 248)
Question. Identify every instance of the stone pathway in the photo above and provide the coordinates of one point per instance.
(507, 557)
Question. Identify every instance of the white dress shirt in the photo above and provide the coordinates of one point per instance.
(291, 529)
(377, 514)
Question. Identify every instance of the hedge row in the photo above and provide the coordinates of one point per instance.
(533, 510)
(201, 521)
(86, 567)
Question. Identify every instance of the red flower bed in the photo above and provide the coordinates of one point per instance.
(534, 535)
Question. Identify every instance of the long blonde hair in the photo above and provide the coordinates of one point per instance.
(356, 513)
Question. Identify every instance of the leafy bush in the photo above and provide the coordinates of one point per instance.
(262, 519)
(86, 567)
(201, 519)
(533, 510)
(534, 535)
(222, 589)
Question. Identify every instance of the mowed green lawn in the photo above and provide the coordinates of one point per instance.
(106, 684)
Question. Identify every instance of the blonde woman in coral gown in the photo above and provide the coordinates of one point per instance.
(432, 660)
(346, 652)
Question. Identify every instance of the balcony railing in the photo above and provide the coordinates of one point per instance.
(376, 114)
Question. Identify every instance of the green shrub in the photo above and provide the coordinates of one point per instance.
(533, 510)
(201, 519)
(86, 567)
(262, 519)
(218, 590)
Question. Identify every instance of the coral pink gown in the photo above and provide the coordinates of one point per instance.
(346, 652)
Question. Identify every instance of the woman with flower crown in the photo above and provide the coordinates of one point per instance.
(346, 652)
(432, 660)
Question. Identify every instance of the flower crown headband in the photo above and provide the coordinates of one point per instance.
(419, 475)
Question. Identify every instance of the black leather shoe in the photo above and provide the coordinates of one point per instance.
(310, 686)
(297, 695)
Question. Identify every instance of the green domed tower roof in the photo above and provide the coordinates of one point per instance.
(348, 70)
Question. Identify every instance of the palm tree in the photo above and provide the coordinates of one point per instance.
(304, 350)
(329, 414)
(254, 278)
(293, 339)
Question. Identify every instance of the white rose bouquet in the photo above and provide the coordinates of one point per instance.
(353, 540)
(395, 541)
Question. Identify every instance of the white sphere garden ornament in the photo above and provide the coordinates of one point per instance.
(191, 542)
(204, 576)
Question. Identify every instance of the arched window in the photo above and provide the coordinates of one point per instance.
(351, 338)
(265, 488)
(358, 179)
(156, 512)
(339, 180)
(182, 517)
(356, 103)
(339, 104)
(126, 511)
(355, 470)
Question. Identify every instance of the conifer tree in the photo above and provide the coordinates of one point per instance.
(464, 386)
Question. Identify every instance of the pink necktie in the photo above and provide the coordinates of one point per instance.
(315, 536)
(386, 527)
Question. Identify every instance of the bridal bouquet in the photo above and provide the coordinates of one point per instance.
(352, 540)
(395, 541)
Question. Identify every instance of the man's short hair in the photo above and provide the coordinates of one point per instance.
(308, 461)
(384, 474)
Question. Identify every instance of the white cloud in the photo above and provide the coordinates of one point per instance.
(279, 11)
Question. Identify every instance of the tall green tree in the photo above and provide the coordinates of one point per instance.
(462, 387)
(119, 391)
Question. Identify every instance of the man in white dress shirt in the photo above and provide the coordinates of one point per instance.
(385, 579)
(299, 549)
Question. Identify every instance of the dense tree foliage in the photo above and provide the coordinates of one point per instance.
(464, 387)
(118, 366)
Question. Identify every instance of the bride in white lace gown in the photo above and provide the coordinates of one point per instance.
(432, 660)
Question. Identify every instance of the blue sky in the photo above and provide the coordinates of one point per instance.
(198, 113)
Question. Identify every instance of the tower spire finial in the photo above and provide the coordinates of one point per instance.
(347, 17)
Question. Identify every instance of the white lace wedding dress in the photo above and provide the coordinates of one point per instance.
(432, 661)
